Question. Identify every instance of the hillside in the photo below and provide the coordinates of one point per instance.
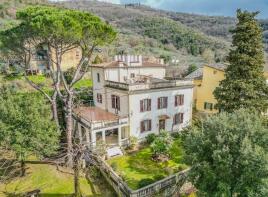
(152, 32)
(190, 38)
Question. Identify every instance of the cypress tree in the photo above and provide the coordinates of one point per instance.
(244, 85)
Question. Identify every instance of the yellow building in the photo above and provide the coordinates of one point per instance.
(69, 59)
(206, 79)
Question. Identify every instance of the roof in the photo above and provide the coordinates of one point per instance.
(94, 114)
(218, 66)
(115, 64)
(197, 74)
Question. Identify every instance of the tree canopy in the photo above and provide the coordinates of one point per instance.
(59, 30)
(244, 85)
(25, 124)
(228, 155)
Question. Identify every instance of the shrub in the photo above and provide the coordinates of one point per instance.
(162, 144)
(191, 69)
(181, 167)
(145, 182)
(133, 141)
(159, 177)
(150, 138)
(176, 135)
(169, 171)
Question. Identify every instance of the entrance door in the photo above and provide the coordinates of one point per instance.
(162, 125)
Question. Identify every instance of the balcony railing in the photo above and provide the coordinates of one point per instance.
(104, 124)
(117, 85)
(148, 85)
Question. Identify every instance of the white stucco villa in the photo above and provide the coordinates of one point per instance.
(133, 98)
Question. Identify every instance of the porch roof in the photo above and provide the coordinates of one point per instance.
(95, 114)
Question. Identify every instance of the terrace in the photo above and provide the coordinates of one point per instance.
(95, 125)
(145, 83)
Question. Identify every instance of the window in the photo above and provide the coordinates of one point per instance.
(145, 105)
(115, 102)
(98, 77)
(162, 102)
(208, 106)
(132, 75)
(179, 100)
(178, 118)
(146, 125)
(99, 98)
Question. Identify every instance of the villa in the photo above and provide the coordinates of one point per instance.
(133, 99)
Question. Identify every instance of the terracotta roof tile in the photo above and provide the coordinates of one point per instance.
(95, 114)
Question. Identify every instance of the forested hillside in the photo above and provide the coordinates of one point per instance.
(190, 38)
(154, 32)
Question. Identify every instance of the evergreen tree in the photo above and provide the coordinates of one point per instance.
(228, 155)
(244, 85)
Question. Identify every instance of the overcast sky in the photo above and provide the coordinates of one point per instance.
(207, 7)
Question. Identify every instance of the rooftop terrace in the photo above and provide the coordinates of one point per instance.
(147, 83)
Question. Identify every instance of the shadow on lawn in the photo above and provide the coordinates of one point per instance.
(9, 169)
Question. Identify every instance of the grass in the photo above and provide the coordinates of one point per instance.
(83, 83)
(42, 81)
(134, 168)
(51, 182)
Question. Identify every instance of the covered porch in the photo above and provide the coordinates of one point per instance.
(94, 126)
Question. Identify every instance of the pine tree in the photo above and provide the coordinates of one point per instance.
(244, 85)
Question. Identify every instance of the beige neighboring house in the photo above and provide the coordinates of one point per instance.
(39, 63)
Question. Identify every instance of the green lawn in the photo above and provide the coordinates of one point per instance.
(83, 83)
(51, 182)
(41, 80)
(138, 166)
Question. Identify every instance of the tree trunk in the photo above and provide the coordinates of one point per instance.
(55, 109)
(77, 191)
(22, 167)
(69, 129)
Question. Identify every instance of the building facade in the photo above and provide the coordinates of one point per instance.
(39, 61)
(206, 79)
(133, 98)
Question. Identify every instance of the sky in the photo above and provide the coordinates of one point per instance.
(207, 7)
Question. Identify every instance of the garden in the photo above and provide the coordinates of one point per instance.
(160, 157)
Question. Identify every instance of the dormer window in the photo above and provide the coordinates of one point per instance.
(132, 75)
